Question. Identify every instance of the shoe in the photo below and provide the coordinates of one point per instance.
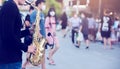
(111, 48)
(52, 63)
(47, 58)
(64, 36)
(77, 46)
(87, 47)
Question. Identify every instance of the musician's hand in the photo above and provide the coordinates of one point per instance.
(27, 23)
(40, 35)
(31, 30)
(31, 49)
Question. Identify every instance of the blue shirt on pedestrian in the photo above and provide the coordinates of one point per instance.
(42, 22)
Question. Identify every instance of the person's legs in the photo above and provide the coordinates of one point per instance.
(78, 44)
(73, 34)
(50, 56)
(105, 42)
(109, 42)
(56, 48)
(87, 43)
(26, 62)
(64, 32)
(93, 34)
(43, 66)
(90, 34)
(53, 51)
(86, 40)
(16, 65)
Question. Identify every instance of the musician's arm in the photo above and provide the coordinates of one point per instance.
(11, 30)
(33, 17)
(25, 33)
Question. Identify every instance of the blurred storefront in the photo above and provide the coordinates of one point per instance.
(76, 5)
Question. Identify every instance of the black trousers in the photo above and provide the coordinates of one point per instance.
(73, 35)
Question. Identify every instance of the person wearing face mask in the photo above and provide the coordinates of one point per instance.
(40, 4)
(74, 23)
(50, 26)
(11, 46)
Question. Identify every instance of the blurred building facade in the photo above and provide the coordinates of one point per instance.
(75, 5)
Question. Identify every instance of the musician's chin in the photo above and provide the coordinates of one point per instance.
(21, 2)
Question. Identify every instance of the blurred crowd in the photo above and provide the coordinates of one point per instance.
(85, 26)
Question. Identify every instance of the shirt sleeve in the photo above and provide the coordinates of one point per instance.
(33, 17)
(47, 22)
(27, 18)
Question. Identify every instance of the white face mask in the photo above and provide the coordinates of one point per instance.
(43, 7)
(52, 13)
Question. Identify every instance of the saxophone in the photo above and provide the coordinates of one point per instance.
(40, 42)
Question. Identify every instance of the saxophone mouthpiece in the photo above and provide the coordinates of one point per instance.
(29, 2)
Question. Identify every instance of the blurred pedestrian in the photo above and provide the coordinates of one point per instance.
(91, 27)
(40, 4)
(75, 24)
(50, 25)
(106, 30)
(63, 22)
(28, 39)
(84, 28)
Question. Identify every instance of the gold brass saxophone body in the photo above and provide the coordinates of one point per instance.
(36, 58)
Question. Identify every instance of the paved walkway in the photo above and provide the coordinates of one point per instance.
(70, 57)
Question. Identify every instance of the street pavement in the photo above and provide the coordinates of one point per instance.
(70, 57)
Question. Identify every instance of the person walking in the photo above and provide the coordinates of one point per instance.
(28, 39)
(50, 25)
(40, 4)
(105, 29)
(75, 24)
(91, 27)
(84, 28)
(64, 21)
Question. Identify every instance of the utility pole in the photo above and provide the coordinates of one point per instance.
(99, 11)
(77, 4)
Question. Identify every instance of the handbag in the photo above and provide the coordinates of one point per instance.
(98, 36)
(80, 36)
(58, 27)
